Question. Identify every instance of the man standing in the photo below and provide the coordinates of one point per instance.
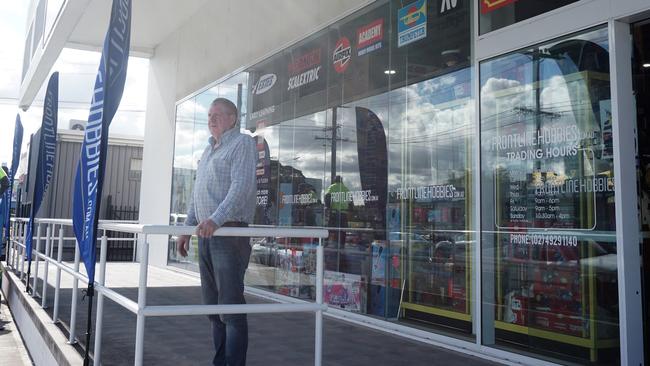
(224, 196)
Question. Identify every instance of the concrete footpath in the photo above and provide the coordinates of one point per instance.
(275, 339)
(12, 349)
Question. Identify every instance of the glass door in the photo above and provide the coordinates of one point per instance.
(549, 250)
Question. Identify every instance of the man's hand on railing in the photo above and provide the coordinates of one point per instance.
(183, 244)
(206, 228)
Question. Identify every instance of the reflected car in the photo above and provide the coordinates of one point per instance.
(263, 252)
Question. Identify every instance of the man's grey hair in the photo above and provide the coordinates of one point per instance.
(226, 103)
(232, 108)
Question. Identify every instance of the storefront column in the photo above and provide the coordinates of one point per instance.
(159, 147)
(626, 198)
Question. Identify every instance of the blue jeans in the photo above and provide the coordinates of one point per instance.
(222, 263)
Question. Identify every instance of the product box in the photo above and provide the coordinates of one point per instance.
(290, 278)
(377, 303)
(382, 261)
(343, 290)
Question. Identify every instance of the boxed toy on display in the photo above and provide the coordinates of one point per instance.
(385, 259)
(344, 291)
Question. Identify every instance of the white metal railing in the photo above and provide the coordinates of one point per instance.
(15, 254)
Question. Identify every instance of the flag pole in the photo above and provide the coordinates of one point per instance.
(90, 290)
(29, 271)
(89, 293)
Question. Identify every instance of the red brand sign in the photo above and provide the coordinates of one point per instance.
(304, 61)
(370, 33)
(341, 55)
(491, 5)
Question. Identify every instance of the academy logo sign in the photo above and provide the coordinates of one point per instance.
(342, 54)
(370, 37)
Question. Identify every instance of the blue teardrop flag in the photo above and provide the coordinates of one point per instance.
(46, 154)
(109, 85)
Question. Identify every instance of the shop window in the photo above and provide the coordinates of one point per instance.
(364, 128)
(548, 223)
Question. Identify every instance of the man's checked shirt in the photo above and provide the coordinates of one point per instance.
(225, 186)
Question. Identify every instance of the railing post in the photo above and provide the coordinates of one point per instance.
(19, 238)
(35, 257)
(100, 302)
(134, 256)
(14, 254)
(13, 236)
(142, 302)
(57, 286)
(8, 248)
(8, 243)
(17, 234)
(51, 253)
(73, 305)
(21, 259)
(48, 242)
(318, 347)
(22, 264)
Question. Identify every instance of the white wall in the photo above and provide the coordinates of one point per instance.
(155, 186)
(220, 38)
(226, 35)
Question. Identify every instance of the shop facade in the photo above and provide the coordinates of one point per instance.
(474, 162)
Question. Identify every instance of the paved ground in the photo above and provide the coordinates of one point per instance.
(12, 350)
(275, 339)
